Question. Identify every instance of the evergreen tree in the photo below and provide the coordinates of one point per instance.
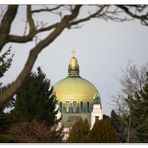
(140, 113)
(5, 117)
(5, 63)
(75, 133)
(85, 131)
(102, 132)
(35, 102)
(79, 132)
(119, 126)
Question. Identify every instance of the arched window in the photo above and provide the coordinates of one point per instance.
(70, 108)
(81, 107)
(67, 106)
(90, 107)
(64, 107)
(88, 110)
(74, 107)
(78, 108)
(85, 107)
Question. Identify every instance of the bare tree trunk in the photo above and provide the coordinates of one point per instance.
(129, 131)
(129, 121)
(5, 24)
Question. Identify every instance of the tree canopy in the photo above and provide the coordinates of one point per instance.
(140, 113)
(35, 110)
(103, 132)
(79, 132)
(132, 80)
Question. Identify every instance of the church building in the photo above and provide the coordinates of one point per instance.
(77, 97)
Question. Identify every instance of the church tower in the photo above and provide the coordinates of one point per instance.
(77, 97)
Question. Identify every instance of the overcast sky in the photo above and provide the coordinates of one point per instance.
(102, 48)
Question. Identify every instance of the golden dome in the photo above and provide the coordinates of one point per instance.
(75, 89)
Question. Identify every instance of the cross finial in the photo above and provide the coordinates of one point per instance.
(73, 52)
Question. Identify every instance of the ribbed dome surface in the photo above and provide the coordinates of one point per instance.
(75, 89)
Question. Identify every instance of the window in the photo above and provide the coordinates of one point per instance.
(88, 107)
(74, 107)
(70, 108)
(78, 108)
(81, 106)
(85, 107)
(64, 107)
(67, 106)
(96, 118)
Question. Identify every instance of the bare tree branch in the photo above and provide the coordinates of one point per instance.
(100, 13)
(133, 79)
(94, 15)
(6, 24)
(30, 20)
(142, 17)
(29, 37)
(5, 96)
(46, 9)
(69, 20)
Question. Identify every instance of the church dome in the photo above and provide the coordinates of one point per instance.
(74, 88)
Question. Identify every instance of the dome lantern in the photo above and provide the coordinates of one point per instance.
(73, 68)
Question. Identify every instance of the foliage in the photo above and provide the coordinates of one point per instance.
(79, 132)
(119, 126)
(102, 132)
(33, 102)
(132, 81)
(85, 130)
(5, 61)
(140, 114)
(28, 132)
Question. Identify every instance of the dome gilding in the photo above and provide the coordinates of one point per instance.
(75, 89)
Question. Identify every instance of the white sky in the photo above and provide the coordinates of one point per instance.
(102, 48)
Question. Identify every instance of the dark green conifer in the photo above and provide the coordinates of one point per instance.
(102, 132)
(119, 126)
(5, 63)
(140, 114)
(79, 132)
(34, 101)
